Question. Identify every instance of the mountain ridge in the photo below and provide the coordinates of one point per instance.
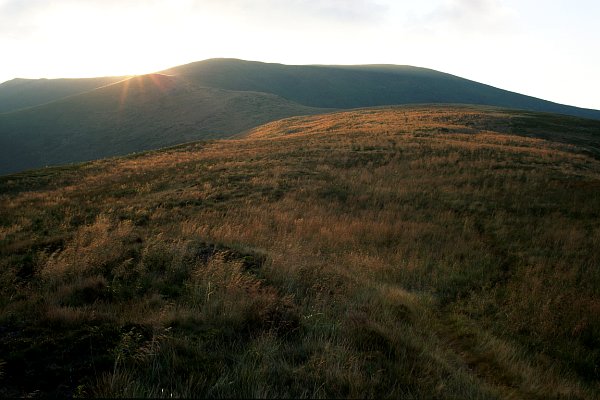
(211, 99)
(403, 84)
(241, 66)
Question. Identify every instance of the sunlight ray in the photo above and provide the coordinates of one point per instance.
(124, 92)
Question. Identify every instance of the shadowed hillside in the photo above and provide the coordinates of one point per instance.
(360, 85)
(141, 113)
(406, 252)
(23, 93)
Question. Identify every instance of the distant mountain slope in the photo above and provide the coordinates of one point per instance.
(69, 120)
(142, 113)
(23, 93)
(360, 86)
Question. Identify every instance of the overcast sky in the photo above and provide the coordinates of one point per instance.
(548, 49)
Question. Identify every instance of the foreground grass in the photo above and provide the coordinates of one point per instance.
(410, 252)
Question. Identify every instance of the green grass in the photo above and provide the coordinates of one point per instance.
(408, 252)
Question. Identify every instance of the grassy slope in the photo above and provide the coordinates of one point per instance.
(23, 93)
(414, 252)
(360, 85)
(92, 123)
(142, 113)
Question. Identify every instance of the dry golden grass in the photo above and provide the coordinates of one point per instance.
(395, 252)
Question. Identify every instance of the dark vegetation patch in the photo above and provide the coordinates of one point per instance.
(65, 347)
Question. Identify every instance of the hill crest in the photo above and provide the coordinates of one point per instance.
(68, 120)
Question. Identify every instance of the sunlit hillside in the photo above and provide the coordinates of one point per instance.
(406, 252)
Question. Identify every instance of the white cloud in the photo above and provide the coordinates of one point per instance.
(338, 10)
(473, 15)
(347, 10)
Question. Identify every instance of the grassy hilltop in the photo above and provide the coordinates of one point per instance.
(217, 98)
(413, 252)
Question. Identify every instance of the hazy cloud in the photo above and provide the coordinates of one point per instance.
(14, 7)
(335, 9)
(485, 15)
(20, 17)
(16, 17)
(344, 10)
(294, 11)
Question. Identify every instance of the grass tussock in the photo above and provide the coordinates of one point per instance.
(405, 252)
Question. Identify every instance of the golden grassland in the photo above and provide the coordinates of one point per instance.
(414, 252)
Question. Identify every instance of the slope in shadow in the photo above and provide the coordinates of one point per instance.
(141, 113)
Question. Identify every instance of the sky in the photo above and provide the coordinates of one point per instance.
(544, 48)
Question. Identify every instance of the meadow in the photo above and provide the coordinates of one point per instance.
(404, 252)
